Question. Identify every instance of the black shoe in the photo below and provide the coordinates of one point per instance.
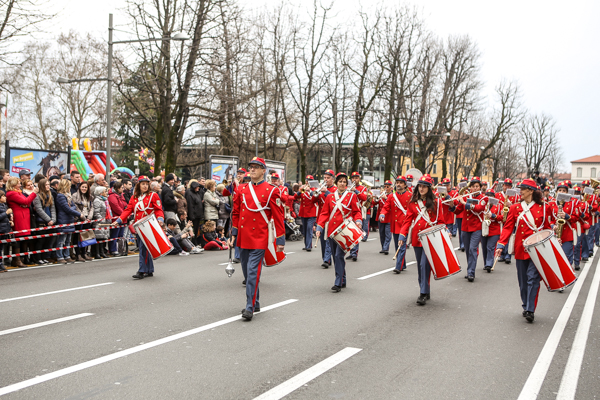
(471, 278)
(247, 315)
(304, 248)
(386, 252)
(336, 288)
(244, 282)
(139, 275)
(428, 296)
(236, 260)
(585, 259)
(577, 268)
(422, 300)
(381, 252)
(507, 261)
(397, 271)
(325, 265)
(488, 269)
(524, 313)
(343, 286)
(462, 249)
(149, 274)
(97, 257)
(309, 250)
(466, 276)
(529, 316)
(256, 308)
(349, 257)
(354, 258)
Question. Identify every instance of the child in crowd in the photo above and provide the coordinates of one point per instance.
(209, 238)
(186, 227)
(174, 238)
(221, 234)
(5, 226)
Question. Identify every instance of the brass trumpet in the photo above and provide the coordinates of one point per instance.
(560, 222)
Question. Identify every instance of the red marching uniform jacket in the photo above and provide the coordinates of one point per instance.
(435, 216)
(248, 223)
(333, 216)
(143, 206)
(308, 206)
(396, 207)
(572, 214)
(592, 204)
(524, 227)
(473, 213)
(380, 204)
(495, 227)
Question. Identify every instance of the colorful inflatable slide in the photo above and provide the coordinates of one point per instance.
(88, 161)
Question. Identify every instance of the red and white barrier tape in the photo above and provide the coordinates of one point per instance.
(46, 235)
(53, 249)
(60, 226)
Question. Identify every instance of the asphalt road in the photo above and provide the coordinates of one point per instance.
(180, 335)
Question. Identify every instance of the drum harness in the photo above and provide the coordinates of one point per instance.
(422, 214)
(270, 223)
(338, 206)
(529, 221)
(139, 206)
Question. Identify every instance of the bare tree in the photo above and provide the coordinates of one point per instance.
(538, 135)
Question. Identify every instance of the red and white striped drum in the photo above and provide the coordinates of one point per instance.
(274, 257)
(153, 237)
(439, 251)
(347, 235)
(550, 260)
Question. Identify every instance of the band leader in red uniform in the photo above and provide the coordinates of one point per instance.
(528, 217)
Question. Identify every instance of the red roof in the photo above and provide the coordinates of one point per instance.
(562, 177)
(592, 159)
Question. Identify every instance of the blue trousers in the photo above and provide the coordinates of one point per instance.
(529, 283)
(488, 247)
(584, 245)
(504, 255)
(568, 249)
(115, 233)
(597, 234)
(471, 241)
(401, 258)
(590, 239)
(424, 270)
(146, 261)
(459, 231)
(365, 227)
(236, 250)
(451, 228)
(325, 249)
(385, 236)
(339, 262)
(251, 260)
(307, 230)
(577, 251)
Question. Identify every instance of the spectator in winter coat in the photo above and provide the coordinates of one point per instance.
(127, 189)
(194, 197)
(211, 202)
(118, 204)
(83, 199)
(98, 181)
(175, 239)
(209, 238)
(5, 227)
(21, 213)
(66, 213)
(45, 216)
(167, 197)
(180, 197)
(103, 213)
(224, 206)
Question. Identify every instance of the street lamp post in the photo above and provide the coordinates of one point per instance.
(178, 36)
(206, 133)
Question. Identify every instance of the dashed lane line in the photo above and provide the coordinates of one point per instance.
(55, 292)
(45, 323)
(120, 354)
(313, 372)
(382, 272)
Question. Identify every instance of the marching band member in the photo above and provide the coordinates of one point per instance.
(361, 196)
(327, 189)
(459, 221)
(547, 197)
(256, 221)
(569, 213)
(592, 210)
(579, 254)
(230, 191)
(506, 201)
(409, 182)
(471, 224)
(143, 203)
(493, 217)
(529, 216)
(385, 235)
(424, 211)
(308, 212)
(447, 208)
(339, 206)
(396, 206)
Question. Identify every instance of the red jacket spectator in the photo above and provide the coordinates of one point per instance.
(19, 203)
(117, 202)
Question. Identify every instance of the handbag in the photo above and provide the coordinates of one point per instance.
(87, 238)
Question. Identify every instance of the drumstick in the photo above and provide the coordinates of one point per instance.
(495, 261)
(395, 255)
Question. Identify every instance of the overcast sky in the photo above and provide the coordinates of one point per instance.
(550, 47)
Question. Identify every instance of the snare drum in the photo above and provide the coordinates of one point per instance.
(272, 256)
(550, 260)
(439, 251)
(347, 235)
(153, 237)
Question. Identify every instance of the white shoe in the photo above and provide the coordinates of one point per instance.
(184, 253)
(200, 249)
(195, 251)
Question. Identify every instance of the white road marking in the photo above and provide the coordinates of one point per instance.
(56, 291)
(382, 272)
(457, 248)
(368, 240)
(110, 357)
(302, 378)
(536, 378)
(291, 252)
(568, 384)
(53, 321)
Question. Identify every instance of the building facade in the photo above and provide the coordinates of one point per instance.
(585, 168)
